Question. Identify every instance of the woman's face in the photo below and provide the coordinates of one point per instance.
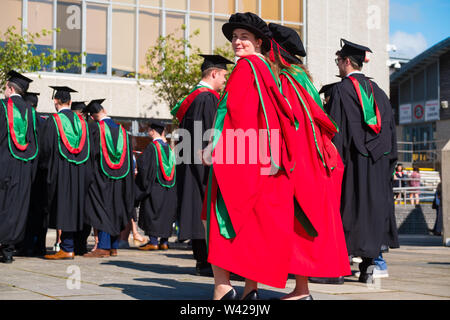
(244, 43)
(399, 169)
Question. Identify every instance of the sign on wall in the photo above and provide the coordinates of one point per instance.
(405, 113)
(432, 110)
(419, 112)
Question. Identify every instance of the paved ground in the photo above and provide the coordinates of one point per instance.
(419, 270)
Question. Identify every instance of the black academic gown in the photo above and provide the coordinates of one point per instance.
(16, 175)
(158, 204)
(110, 201)
(66, 182)
(192, 178)
(367, 205)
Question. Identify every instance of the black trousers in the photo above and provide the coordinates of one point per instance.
(366, 262)
(199, 250)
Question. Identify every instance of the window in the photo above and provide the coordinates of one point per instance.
(249, 6)
(202, 40)
(96, 35)
(293, 10)
(432, 82)
(123, 41)
(201, 5)
(224, 6)
(270, 9)
(405, 92)
(149, 31)
(13, 8)
(40, 16)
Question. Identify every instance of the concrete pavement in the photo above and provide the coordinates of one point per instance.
(419, 270)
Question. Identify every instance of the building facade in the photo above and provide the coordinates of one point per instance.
(420, 92)
(116, 34)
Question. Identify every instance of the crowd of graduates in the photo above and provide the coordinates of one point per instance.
(324, 195)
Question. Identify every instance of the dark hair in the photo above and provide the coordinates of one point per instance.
(353, 62)
(62, 100)
(278, 65)
(416, 169)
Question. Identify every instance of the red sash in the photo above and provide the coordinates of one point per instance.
(64, 138)
(11, 127)
(108, 161)
(190, 98)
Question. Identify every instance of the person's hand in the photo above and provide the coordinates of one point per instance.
(205, 155)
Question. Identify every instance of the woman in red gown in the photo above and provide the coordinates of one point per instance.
(248, 205)
(319, 248)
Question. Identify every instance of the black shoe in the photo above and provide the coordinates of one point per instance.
(7, 259)
(307, 298)
(230, 295)
(252, 295)
(367, 276)
(337, 280)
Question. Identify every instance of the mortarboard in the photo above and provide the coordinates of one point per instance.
(19, 79)
(62, 92)
(289, 41)
(95, 106)
(157, 125)
(78, 105)
(356, 51)
(31, 98)
(214, 61)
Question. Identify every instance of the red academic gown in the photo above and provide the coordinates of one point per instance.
(317, 186)
(259, 206)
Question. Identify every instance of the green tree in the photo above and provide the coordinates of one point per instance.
(17, 53)
(174, 73)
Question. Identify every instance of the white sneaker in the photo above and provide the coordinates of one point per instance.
(356, 260)
(379, 273)
(56, 247)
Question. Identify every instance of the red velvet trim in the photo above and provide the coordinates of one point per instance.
(158, 148)
(105, 149)
(189, 99)
(64, 138)
(11, 127)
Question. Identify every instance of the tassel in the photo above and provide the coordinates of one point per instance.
(272, 54)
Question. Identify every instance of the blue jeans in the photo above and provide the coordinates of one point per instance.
(380, 262)
(106, 241)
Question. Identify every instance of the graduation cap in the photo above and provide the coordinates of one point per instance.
(62, 92)
(290, 42)
(326, 89)
(95, 106)
(214, 61)
(31, 98)
(78, 105)
(157, 125)
(22, 81)
(356, 51)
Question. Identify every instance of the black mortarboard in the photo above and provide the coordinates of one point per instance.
(22, 81)
(62, 92)
(214, 61)
(157, 125)
(290, 42)
(78, 105)
(248, 21)
(356, 51)
(326, 89)
(31, 98)
(95, 106)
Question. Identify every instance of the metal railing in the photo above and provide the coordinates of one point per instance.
(420, 151)
(425, 193)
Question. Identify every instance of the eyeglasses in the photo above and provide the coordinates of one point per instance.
(337, 60)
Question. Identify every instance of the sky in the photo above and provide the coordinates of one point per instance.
(416, 25)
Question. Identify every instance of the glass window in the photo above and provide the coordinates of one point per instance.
(96, 35)
(149, 31)
(69, 23)
(153, 3)
(405, 92)
(13, 8)
(224, 6)
(270, 9)
(201, 5)
(125, 1)
(432, 82)
(219, 38)
(175, 4)
(40, 16)
(293, 10)
(174, 22)
(419, 87)
(248, 6)
(123, 41)
(203, 39)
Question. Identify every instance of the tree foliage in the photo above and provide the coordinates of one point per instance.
(174, 73)
(18, 52)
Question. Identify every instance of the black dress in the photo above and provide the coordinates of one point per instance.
(192, 177)
(367, 205)
(157, 196)
(110, 200)
(17, 169)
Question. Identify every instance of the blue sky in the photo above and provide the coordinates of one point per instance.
(416, 25)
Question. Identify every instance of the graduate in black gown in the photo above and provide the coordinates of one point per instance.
(110, 201)
(37, 222)
(65, 152)
(156, 193)
(18, 151)
(367, 144)
(196, 114)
